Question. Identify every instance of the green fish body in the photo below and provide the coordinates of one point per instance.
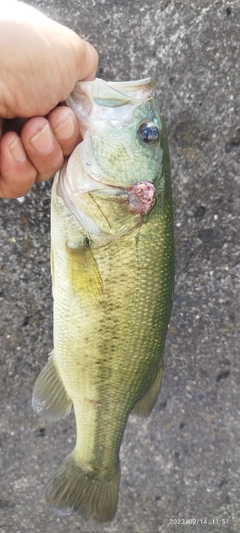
(112, 272)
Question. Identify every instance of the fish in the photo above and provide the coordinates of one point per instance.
(112, 278)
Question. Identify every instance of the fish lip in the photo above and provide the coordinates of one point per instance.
(144, 82)
(88, 97)
(126, 88)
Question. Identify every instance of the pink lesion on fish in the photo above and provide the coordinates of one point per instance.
(97, 403)
(142, 197)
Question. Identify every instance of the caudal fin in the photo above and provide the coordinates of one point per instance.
(74, 488)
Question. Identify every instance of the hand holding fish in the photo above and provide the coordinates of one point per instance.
(40, 64)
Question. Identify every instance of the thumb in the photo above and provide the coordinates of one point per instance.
(86, 58)
(90, 63)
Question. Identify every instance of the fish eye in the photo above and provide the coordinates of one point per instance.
(148, 133)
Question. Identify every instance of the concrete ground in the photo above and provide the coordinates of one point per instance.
(183, 463)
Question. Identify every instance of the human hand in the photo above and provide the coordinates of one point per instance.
(40, 64)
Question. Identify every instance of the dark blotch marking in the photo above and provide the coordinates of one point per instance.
(6, 504)
(206, 235)
(200, 212)
(162, 405)
(234, 139)
(179, 300)
(186, 132)
(41, 432)
(222, 375)
(26, 321)
(223, 482)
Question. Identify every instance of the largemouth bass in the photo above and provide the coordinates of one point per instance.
(112, 275)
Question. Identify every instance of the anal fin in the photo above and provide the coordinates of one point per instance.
(50, 399)
(145, 405)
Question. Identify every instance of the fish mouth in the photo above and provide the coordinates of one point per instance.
(115, 93)
(99, 97)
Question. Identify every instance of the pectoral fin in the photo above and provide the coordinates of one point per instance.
(50, 399)
(144, 406)
(84, 273)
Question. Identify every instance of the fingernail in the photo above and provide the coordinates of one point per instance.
(65, 129)
(42, 141)
(17, 150)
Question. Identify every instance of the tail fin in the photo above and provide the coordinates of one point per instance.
(74, 488)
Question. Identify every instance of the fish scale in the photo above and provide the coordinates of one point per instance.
(112, 273)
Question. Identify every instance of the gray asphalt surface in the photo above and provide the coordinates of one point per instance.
(183, 463)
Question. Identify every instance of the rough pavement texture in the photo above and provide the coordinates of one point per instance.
(183, 462)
